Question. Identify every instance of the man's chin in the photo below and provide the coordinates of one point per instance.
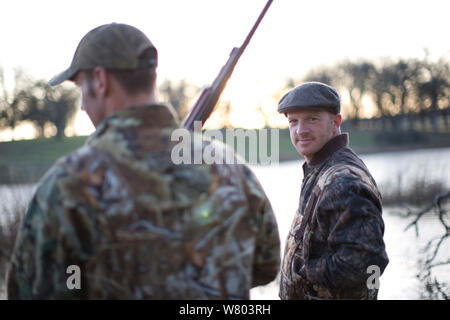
(305, 153)
(304, 147)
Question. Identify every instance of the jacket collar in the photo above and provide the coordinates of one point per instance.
(327, 150)
(150, 116)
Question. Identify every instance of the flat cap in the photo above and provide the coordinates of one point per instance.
(311, 95)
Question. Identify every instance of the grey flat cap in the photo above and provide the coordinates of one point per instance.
(311, 95)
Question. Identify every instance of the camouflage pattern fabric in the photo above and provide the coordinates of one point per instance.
(141, 227)
(344, 234)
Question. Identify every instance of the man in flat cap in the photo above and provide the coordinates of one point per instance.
(335, 247)
(117, 219)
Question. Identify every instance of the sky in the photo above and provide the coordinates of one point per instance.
(194, 38)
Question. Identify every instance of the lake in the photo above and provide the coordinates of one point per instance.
(282, 182)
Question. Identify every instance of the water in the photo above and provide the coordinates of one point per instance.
(282, 185)
(13, 196)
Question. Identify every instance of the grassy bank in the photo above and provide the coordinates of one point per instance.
(27, 160)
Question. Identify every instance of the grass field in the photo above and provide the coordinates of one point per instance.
(27, 160)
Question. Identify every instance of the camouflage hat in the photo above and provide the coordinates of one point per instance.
(113, 46)
(311, 95)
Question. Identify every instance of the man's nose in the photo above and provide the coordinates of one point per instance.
(301, 128)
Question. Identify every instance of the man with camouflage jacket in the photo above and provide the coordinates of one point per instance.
(122, 216)
(336, 236)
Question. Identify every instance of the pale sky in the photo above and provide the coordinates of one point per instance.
(195, 37)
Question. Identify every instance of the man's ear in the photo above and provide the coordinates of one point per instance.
(100, 81)
(337, 120)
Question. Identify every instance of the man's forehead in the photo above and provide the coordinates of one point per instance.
(304, 113)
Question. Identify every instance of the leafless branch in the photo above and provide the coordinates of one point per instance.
(436, 204)
(434, 288)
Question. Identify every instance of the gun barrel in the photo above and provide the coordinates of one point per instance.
(255, 26)
(206, 102)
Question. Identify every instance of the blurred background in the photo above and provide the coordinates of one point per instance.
(388, 60)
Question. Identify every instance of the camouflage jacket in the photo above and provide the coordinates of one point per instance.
(140, 227)
(343, 236)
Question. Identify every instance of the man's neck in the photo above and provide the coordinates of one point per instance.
(334, 144)
(121, 102)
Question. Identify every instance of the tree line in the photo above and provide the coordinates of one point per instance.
(406, 93)
(35, 102)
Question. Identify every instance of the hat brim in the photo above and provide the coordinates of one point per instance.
(313, 108)
(67, 74)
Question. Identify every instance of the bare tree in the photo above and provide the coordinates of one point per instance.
(60, 105)
(392, 88)
(46, 104)
(433, 87)
(379, 88)
(356, 77)
(35, 101)
(434, 287)
(403, 76)
(12, 102)
(35, 110)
